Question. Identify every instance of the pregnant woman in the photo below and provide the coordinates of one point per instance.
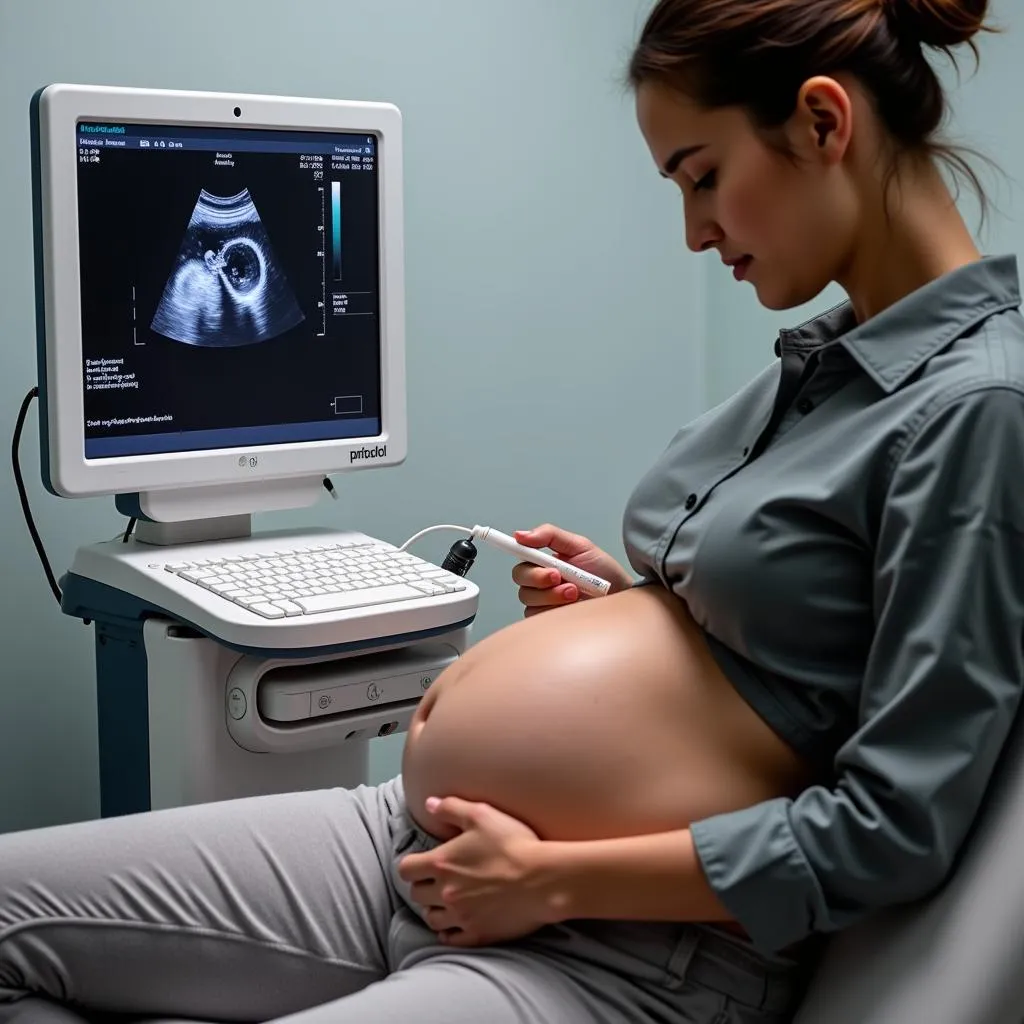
(651, 806)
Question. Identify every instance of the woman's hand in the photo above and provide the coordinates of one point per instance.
(541, 589)
(483, 886)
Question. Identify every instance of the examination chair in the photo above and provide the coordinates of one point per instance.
(955, 958)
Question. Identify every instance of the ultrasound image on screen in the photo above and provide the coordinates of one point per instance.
(230, 288)
(227, 287)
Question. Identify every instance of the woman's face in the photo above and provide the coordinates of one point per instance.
(784, 223)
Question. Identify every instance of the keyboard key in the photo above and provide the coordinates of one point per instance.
(214, 582)
(268, 611)
(428, 588)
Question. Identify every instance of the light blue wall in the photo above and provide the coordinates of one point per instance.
(555, 331)
(741, 334)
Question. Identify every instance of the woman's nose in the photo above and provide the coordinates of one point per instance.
(702, 232)
(703, 235)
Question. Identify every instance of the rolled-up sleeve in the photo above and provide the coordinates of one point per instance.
(941, 687)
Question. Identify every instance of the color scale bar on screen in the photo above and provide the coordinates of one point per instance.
(336, 226)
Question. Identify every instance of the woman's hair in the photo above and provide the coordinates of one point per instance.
(756, 54)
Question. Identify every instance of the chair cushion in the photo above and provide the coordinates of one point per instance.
(955, 958)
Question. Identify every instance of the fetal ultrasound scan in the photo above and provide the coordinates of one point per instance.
(227, 287)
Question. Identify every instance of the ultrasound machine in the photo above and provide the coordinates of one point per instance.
(221, 327)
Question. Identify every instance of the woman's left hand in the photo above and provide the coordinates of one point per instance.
(484, 885)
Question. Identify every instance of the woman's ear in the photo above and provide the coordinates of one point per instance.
(822, 123)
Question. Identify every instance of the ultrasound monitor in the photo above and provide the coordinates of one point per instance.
(220, 296)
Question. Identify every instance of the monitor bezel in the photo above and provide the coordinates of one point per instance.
(57, 110)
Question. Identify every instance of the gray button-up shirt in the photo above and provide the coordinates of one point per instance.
(848, 531)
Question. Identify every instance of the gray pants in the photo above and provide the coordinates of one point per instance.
(290, 908)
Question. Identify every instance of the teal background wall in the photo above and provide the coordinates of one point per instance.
(558, 332)
(554, 330)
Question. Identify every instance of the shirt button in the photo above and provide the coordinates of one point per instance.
(804, 406)
(691, 501)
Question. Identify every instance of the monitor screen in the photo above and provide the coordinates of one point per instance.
(230, 287)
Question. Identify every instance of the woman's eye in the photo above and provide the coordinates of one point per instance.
(708, 181)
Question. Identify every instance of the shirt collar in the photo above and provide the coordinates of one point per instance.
(891, 346)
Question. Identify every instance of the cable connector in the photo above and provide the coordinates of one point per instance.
(460, 558)
(461, 554)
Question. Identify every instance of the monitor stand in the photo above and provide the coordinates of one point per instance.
(216, 512)
(193, 531)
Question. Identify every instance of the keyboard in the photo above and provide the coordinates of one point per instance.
(318, 578)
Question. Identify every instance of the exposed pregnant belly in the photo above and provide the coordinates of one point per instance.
(605, 718)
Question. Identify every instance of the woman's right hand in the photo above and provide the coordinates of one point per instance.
(541, 589)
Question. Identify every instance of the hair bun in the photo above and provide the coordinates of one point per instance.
(939, 23)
